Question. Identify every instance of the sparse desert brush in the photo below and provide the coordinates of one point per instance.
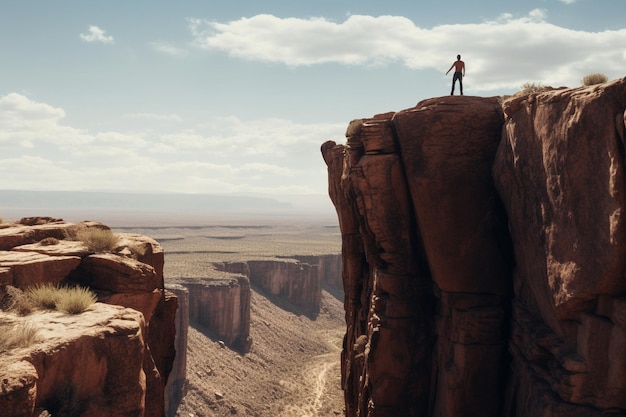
(13, 299)
(529, 88)
(17, 336)
(70, 300)
(44, 296)
(137, 249)
(75, 300)
(354, 128)
(96, 239)
(49, 241)
(593, 79)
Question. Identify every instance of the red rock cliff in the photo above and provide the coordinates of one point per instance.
(484, 256)
(111, 360)
(222, 306)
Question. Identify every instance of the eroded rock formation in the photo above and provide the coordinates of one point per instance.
(124, 352)
(299, 283)
(222, 306)
(484, 256)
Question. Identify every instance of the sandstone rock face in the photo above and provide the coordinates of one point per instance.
(560, 174)
(176, 387)
(483, 256)
(296, 282)
(222, 306)
(85, 365)
(133, 278)
(328, 267)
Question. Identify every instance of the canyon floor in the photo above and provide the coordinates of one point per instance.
(293, 368)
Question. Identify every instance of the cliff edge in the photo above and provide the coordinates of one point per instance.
(484, 256)
(112, 359)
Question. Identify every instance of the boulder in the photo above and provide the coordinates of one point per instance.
(115, 273)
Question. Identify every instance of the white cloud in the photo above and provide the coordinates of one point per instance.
(96, 34)
(501, 53)
(168, 49)
(568, 1)
(23, 121)
(219, 155)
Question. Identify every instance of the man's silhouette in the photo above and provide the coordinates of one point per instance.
(459, 73)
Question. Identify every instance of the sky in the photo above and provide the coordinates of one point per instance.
(233, 96)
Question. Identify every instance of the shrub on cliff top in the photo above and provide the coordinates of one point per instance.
(48, 241)
(13, 299)
(16, 336)
(75, 300)
(529, 88)
(43, 296)
(71, 300)
(595, 78)
(96, 239)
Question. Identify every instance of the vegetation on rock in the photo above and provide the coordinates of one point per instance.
(70, 300)
(594, 78)
(48, 241)
(530, 88)
(18, 335)
(96, 239)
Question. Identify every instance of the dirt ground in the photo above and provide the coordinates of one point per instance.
(292, 369)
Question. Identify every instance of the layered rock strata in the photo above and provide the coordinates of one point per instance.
(298, 283)
(483, 256)
(36, 252)
(222, 306)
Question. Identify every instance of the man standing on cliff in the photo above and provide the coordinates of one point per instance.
(459, 73)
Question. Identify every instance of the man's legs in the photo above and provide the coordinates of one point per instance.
(457, 76)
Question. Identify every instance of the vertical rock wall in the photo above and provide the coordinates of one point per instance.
(222, 306)
(560, 173)
(299, 283)
(328, 268)
(483, 256)
(176, 387)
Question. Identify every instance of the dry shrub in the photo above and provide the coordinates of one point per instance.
(75, 300)
(44, 296)
(593, 79)
(49, 241)
(13, 299)
(138, 249)
(530, 88)
(70, 300)
(354, 127)
(17, 336)
(96, 239)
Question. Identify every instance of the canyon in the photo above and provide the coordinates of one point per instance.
(483, 245)
(138, 334)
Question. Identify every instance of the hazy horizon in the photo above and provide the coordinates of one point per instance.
(124, 209)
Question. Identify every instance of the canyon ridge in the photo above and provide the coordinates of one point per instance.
(484, 253)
